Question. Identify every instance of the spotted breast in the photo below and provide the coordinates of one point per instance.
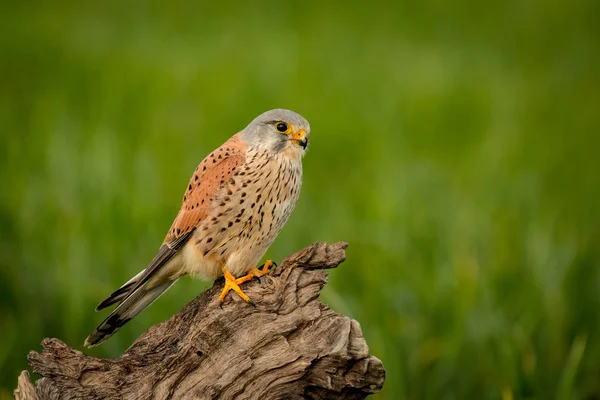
(247, 216)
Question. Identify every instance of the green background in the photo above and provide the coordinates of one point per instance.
(455, 146)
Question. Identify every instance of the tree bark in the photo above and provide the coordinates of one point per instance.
(289, 346)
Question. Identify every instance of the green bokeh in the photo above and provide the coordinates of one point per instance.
(455, 146)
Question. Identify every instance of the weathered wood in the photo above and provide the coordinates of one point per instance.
(25, 389)
(289, 346)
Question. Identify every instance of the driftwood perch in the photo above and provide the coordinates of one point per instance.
(289, 346)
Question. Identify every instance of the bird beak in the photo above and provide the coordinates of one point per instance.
(300, 138)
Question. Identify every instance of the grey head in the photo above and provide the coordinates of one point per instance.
(278, 130)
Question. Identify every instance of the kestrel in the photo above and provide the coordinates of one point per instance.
(235, 205)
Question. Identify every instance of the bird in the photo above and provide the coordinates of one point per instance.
(234, 206)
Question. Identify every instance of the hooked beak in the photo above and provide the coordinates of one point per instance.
(300, 138)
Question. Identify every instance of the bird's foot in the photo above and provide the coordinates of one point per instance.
(263, 269)
(233, 283)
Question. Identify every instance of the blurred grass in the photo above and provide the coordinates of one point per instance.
(455, 147)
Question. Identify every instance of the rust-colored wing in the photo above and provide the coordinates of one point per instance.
(210, 175)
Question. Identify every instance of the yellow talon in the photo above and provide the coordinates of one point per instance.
(232, 283)
(266, 268)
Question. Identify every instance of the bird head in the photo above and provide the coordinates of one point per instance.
(278, 131)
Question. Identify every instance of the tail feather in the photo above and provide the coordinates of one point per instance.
(131, 306)
(119, 294)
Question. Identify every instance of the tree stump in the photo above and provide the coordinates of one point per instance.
(289, 346)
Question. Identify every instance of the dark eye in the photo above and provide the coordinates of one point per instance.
(281, 127)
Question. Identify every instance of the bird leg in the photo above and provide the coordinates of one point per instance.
(232, 283)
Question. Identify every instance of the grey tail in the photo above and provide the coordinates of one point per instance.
(132, 304)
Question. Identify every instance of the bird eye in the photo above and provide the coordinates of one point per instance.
(282, 127)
